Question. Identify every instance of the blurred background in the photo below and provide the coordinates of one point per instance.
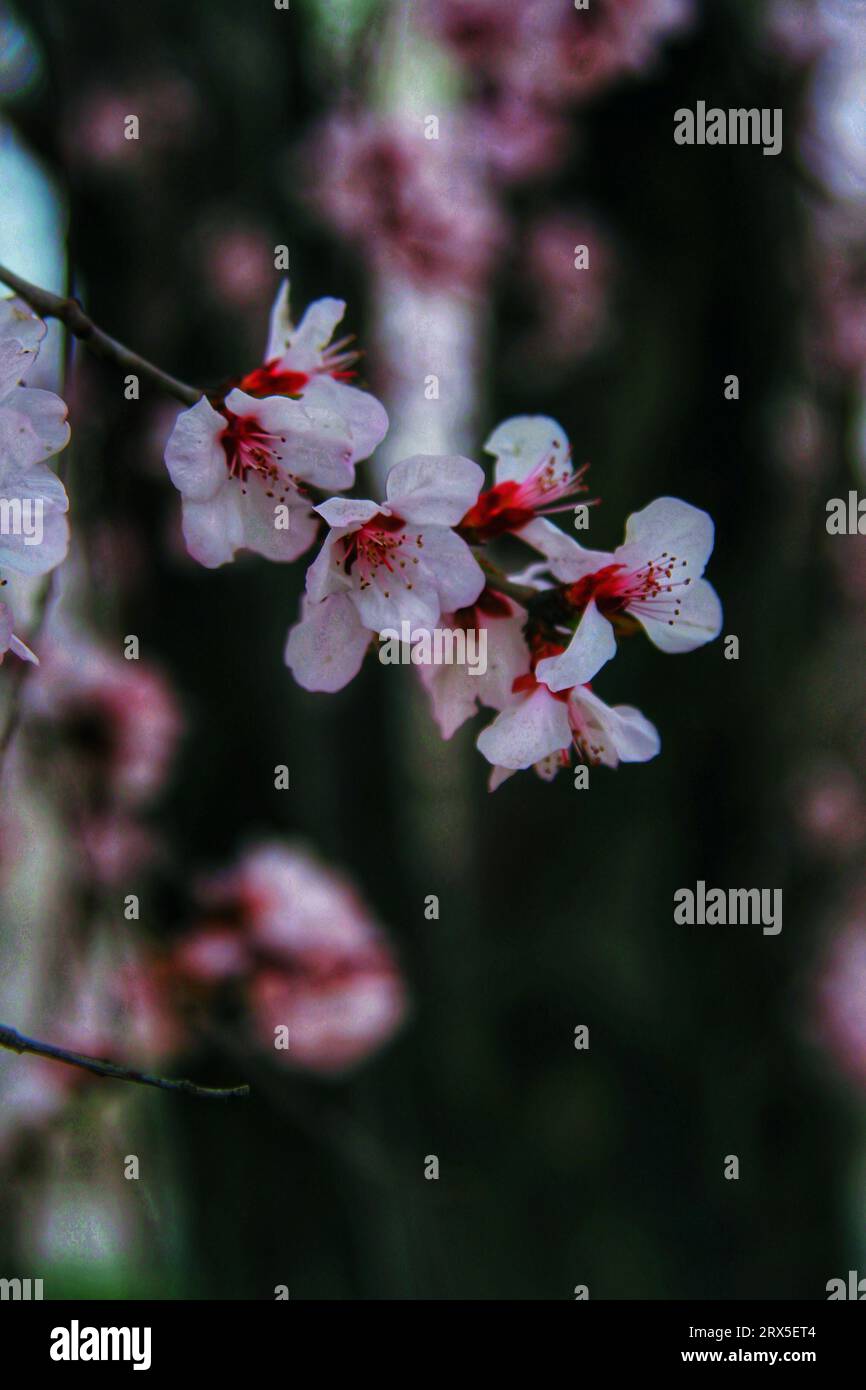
(451, 1036)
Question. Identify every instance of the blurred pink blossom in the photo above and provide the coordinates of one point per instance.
(413, 205)
(305, 953)
(119, 717)
(841, 1004)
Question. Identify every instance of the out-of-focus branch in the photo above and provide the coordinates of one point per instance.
(70, 313)
(16, 1042)
(521, 593)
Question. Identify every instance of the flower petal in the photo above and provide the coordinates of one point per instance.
(213, 529)
(457, 574)
(699, 620)
(566, 559)
(260, 514)
(347, 513)
(33, 425)
(591, 647)
(520, 444)
(326, 648)
(365, 416)
(527, 732)
(611, 735)
(194, 456)
(669, 525)
(434, 489)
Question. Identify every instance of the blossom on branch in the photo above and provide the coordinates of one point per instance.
(244, 463)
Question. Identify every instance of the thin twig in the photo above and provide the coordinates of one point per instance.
(16, 1042)
(70, 313)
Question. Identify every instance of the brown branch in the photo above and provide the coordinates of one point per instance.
(70, 313)
(16, 1042)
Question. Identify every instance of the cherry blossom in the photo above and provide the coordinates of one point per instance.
(33, 427)
(386, 563)
(303, 362)
(244, 463)
(539, 729)
(534, 478)
(655, 576)
(297, 942)
(243, 473)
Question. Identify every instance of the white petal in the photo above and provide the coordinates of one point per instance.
(323, 577)
(566, 559)
(699, 620)
(669, 525)
(520, 444)
(33, 425)
(612, 734)
(347, 513)
(280, 328)
(259, 515)
(15, 358)
(326, 649)
(457, 575)
(213, 529)
(307, 441)
(591, 647)
(498, 775)
(453, 695)
(434, 489)
(527, 732)
(365, 416)
(194, 456)
(388, 601)
(17, 320)
(305, 345)
(22, 650)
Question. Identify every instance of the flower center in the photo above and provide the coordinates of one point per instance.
(649, 589)
(382, 551)
(510, 505)
(248, 448)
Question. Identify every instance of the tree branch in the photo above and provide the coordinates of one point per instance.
(70, 313)
(16, 1042)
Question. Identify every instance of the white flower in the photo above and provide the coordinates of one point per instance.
(34, 532)
(241, 473)
(539, 729)
(243, 466)
(655, 576)
(302, 361)
(383, 564)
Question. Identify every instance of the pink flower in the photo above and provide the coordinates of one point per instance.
(306, 954)
(33, 427)
(841, 1011)
(244, 469)
(383, 564)
(596, 46)
(416, 206)
(655, 577)
(539, 729)
(119, 718)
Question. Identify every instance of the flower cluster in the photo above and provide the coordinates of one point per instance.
(290, 943)
(252, 459)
